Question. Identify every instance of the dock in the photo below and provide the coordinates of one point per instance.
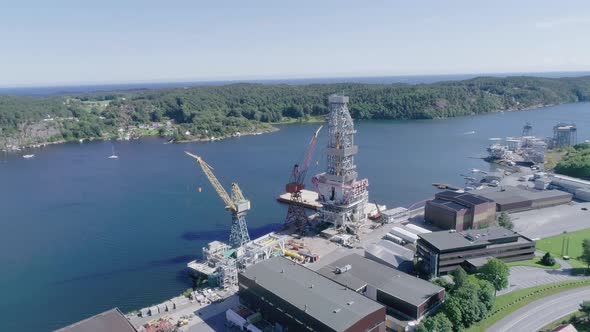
(310, 199)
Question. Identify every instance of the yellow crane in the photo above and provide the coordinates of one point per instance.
(236, 204)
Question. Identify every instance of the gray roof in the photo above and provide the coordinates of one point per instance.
(479, 261)
(511, 194)
(391, 281)
(448, 240)
(109, 321)
(310, 291)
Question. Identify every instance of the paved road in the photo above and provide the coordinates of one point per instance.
(527, 276)
(537, 314)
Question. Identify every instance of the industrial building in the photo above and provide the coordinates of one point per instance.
(459, 211)
(579, 188)
(391, 254)
(342, 195)
(108, 321)
(295, 298)
(402, 294)
(515, 199)
(442, 252)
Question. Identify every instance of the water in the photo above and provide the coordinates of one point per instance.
(409, 79)
(82, 233)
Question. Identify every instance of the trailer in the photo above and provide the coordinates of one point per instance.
(418, 229)
(404, 234)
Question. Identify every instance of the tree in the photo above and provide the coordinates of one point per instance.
(585, 308)
(505, 221)
(436, 323)
(459, 277)
(452, 310)
(586, 252)
(442, 282)
(548, 260)
(496, 272)
(486, 293)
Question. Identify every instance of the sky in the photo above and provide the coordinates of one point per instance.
(90, 42)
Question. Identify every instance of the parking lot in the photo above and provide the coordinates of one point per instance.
(552, 221)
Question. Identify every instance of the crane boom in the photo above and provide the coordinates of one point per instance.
(208, 170)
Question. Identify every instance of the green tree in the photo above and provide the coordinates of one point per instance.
(548, 260)
(496, 272)
(442, 282)
(452, 310)
(585, 308)
(505, 221)
(459, 277)
(436, 323)
(486, 293)
(586, 252)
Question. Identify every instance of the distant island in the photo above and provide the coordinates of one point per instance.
(217, 112)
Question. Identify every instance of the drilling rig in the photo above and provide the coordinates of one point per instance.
(296, 214)
(236, 204)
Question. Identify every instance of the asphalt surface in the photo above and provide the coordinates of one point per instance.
(537, 314)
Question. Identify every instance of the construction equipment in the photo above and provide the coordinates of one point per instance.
(296, 213)
(237, 205)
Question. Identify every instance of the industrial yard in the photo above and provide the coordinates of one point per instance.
(333, 224)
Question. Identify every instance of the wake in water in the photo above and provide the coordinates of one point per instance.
(469, 133)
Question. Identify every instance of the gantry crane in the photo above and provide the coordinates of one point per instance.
(236, 204)
(296, 214)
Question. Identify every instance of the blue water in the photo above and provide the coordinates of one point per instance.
(409, 79)
(82, 233)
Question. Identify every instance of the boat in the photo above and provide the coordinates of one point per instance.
(28, 156)
(469, 133)
(113, 156)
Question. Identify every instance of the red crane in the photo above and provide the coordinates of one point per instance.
(296, 214)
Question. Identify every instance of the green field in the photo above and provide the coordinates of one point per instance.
(508, 303)
(555, 245)
(535, 262)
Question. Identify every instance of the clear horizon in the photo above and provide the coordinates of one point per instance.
(66, 43)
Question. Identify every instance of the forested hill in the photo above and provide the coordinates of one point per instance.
(220, 111)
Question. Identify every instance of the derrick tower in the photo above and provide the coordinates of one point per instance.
(342, 195)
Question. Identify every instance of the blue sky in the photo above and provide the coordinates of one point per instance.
(84, 42)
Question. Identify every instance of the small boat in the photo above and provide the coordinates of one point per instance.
(28, 156)
(469, 133)
(113, 156)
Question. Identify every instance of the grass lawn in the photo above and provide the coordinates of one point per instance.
(535, 262)
(554, 245)
(508, 303)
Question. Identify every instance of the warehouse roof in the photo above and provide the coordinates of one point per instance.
(448, 240)
(108, 321)
(511, 194)
(391, 281)
(307, 290)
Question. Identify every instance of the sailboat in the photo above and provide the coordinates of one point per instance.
(113, 156)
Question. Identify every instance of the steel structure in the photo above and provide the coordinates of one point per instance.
(527, 130)
(237, 205)
(296, 213)
(564, 134)
(343, 196)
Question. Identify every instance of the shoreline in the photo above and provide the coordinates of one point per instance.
(314, 119)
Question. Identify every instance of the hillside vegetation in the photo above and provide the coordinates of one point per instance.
(576, 162)
(220, 111)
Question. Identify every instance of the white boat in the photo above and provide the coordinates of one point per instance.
(113, 156)
(28, 156)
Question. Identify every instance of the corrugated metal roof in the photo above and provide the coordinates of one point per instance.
(321, 298)
(391, 281)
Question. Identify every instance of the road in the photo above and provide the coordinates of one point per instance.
(539, 313)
